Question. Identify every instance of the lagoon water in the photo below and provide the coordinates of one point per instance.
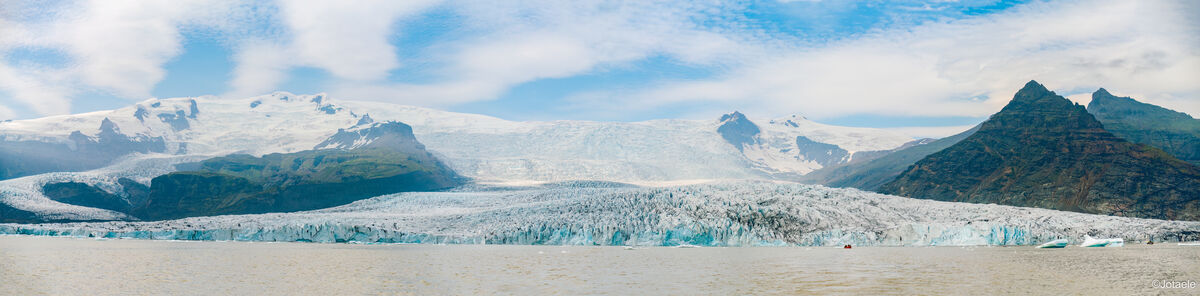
(75, 266)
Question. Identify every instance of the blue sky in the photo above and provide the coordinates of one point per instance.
(928, 68)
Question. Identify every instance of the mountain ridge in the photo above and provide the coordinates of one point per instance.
(1175, 132)
(1041, 150)
(387, 159)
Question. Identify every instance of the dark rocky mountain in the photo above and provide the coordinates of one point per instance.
(1174, 132)
(368, 161)
(1043, 151)
(874, 171)
(9, 214)
(20, 158)
(822, 153)
(739, 131)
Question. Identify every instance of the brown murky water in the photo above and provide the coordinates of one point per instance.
(68, 266)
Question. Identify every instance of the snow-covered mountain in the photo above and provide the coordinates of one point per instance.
(122, 150)
(110, 149)
(477, 146)
(796, 145)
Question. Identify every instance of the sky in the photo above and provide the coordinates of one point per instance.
(925, 68)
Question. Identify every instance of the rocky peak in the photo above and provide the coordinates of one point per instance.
(739, 131)
(1035, 107)
(389, 134)
(1102, 98)
(107, 127)
(1042, 150)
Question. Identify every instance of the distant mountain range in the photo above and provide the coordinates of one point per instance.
(1174, 132)
(367, 161)
(184, 157)
(869, 174)
(1043, 151)
(170, 158)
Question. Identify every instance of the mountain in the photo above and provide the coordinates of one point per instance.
(366, 161)
(74, 152)
(793, 146)
(480, 147)
(172, 140)
(9, 214)
(1043, 151)
(872, 173)
(1174, 132)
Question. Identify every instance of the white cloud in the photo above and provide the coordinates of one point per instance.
(968, 67)
(518, 42)
(121, 46)
(260, 68)
(34, 88)
(349, 40)
(117, 47)
(6, 113)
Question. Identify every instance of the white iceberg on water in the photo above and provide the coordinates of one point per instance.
(1055, 244)
(1089, 241)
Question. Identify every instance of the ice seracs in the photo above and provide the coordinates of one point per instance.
(742, 213)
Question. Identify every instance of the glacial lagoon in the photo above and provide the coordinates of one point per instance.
(31, 265)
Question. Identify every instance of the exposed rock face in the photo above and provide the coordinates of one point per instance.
(391, 135)
(822, 153)
(9, 214)
(737, 130)
(1043, 151)
(1174, 132)
(379, 159)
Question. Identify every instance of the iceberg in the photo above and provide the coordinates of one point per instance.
(1055, 244)
(1091, 242)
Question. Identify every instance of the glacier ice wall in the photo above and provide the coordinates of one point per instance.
(743, 213)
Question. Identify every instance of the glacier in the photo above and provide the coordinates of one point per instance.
(477, 146)
(25, 193)
(723, 213)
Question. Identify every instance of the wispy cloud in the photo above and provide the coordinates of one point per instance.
(349, 40)
(518, 42)
(959, 66)
(117, 47)
(966, 67)
(6, 113)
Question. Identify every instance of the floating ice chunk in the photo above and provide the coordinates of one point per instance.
(1091, 242)
(1055, 244)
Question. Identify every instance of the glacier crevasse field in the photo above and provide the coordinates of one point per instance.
(728, 213)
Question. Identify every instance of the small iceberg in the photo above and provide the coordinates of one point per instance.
(686, 246)
(1055, 244)
(1090, 242)
(1189, 244)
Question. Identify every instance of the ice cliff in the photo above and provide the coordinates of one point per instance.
(731, 213)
